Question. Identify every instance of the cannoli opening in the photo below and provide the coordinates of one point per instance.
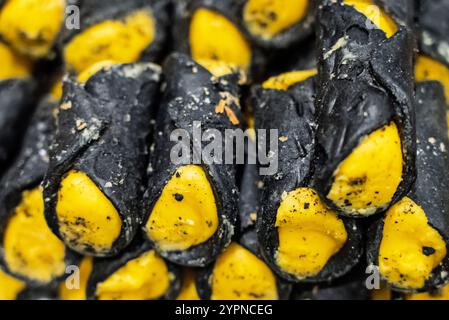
(410, 248)
(186, 214)
(31, 250)
(32, 26)
(144, 278)
(10, 287)
(217, 44)
(240, 275)
(309, 233)
(120, 41)
(268, 18)
(13, 65)
(88, 221)
(367, 180)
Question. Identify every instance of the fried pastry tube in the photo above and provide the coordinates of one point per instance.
(366, 146)
(29, 250)
(300, 237)
(17, 92)
(409, 244)
(191, 205)
(432, 63)
(97, 170)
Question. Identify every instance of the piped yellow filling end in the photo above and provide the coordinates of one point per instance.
(10, 287)
(84, 76)
(31, 26)
(410, 248)
(288, 79)
(188, 289)
(239, 275)
(369, 177)
(309, 233)
(267, 18)
(13, 65)
(144, 278)
(186, 213)
(121, 41)
(217, 44)
(375, 14)
(88, 221)
(56, 91)
(31, 249)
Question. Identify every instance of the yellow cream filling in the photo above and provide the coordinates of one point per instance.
(31, 26)
(56, 91)
(121, 41)
(31, 249)
(93, 69)
(240, 275)
(186, 213)
(144, 278)
(10, 287)
(375, 14)
(267, 18)
(217, 44)
(369, 177)
(87, 219)
(410, 248)
(85, 269)
(188, 288)
(13, 65)
(309, 233)
(288, 79)
(428, 69)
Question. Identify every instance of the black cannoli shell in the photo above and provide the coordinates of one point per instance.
(433, 25)
(350, 287)
(16, 108)
(192, 94)
(364, 84)
(292, 112)
(27, 173)
(39, 293)
(249, 197)
(402, 11)
(432, 162)
(299, 57)
(114, 109)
